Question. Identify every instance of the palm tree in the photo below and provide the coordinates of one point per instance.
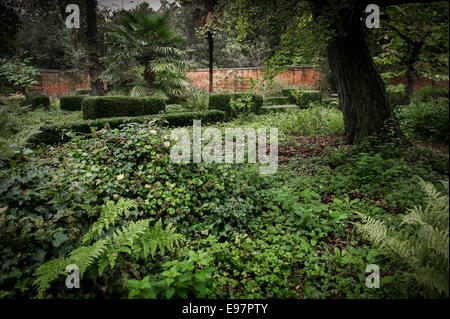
(142, 58)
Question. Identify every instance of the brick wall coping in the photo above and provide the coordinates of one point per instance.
(297, 67)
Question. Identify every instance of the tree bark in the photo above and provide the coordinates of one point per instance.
(410, 76)
(95, 66)
(211, 60)
(362, 94)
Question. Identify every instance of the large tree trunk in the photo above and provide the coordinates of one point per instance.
(362, 94)
(95, 66)
(211, 60)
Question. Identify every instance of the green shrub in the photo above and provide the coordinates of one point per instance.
(174, 108)
(19, 99)
(221, 101)
(71, 103)
(82, 92)
(57, 133)
(330, 102)
(303, 98)
(115, 106)
(276, 100)
(430, 93)
(287, 92)
(278, 108)
(395, 94)
(425, 119)
(187, 118)
(38, 100)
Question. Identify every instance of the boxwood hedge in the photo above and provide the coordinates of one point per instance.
(116, 106)
(71, 103)
(82, 92)
(276, 100)
(54, 134)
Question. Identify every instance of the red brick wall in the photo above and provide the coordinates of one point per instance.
(419, 82)
(238, 79)
(56, 83)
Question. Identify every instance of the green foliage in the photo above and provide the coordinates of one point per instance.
(17, 74)
(276, 100)
(425, 246)
(187, 118)
(38, 101)
(243, 105)
(196, 99)
(71, 103)
(142, 58)
(188, 278)
(430, 94)
(425, 119)
(304, 98)
(278, 108)
(82, 92)
(395, 94)
(114, 106)
(174, 108)
(137, 239)
(415, 38)
(223, 101)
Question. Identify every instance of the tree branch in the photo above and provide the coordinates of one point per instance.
(384, 3)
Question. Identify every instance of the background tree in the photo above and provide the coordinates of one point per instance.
(362, 94)
(142, 56)
(95, 65)
(415, 46)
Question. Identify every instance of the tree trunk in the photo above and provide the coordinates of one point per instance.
(362, 94)
(95, 66)
(211, 60)
(409, 86)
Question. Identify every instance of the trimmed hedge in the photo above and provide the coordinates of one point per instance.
(221, 101)
(116, 106)
(175, 108)
(71, 103)
(38, 100)
(187, 118)
(279, 108)
(54, 134)
(276, 100)
(82, 92)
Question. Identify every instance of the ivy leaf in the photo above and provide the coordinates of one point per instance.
(58, 239)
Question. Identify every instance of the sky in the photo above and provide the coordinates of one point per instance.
(128, 4)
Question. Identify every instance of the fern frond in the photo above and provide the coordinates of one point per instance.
(111, 212)
(49, 272)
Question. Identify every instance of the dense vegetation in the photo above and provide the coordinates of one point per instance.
(89, 180)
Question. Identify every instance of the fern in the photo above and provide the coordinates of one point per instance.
(157, 237)
(135, 239)
(426, 251)
(111, 212)
(49, 272)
